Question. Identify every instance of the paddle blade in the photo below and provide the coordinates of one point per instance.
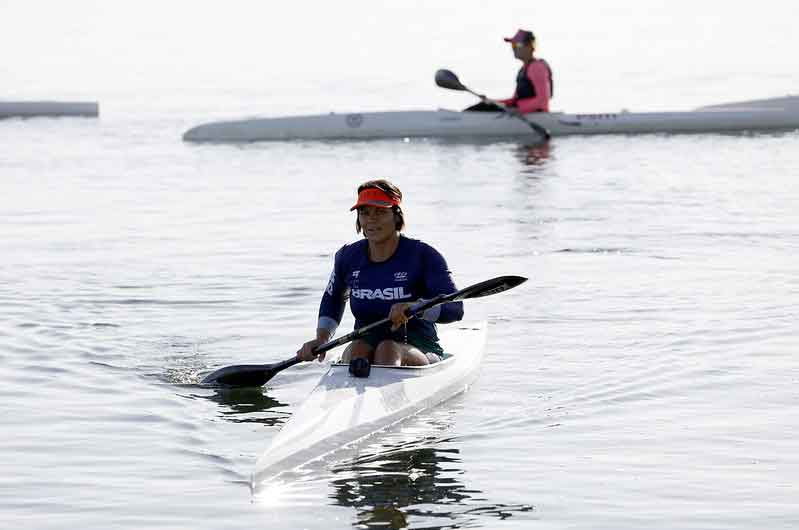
(240, 375)
(489, 287)
(448, 79)
(246, 375)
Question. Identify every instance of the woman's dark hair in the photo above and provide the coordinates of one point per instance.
(392, 191)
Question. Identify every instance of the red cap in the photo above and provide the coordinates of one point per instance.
(521, 36)
(375, 197)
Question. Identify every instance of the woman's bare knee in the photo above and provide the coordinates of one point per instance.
(388, 353)
(414, 357)
(358, 349)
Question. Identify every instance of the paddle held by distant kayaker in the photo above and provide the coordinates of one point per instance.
(382, 275)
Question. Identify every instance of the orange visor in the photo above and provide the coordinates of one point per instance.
(375, 197)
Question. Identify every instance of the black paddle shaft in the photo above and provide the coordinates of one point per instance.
(244, 375)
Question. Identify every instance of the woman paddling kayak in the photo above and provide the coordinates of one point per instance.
(534, 86)
(382, 275)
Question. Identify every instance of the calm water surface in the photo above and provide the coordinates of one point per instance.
(646, 375)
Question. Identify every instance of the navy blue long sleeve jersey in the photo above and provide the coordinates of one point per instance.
(415, 271)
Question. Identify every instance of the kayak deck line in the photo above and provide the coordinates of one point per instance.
(416, 370)
(755, 115)
(52, 109)
(342, 410)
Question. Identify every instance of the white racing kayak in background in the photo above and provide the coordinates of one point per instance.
(344, 408)
(31, 109)
(757, 115)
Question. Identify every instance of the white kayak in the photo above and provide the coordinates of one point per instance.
(343, 408)
(30, 109)
(757, 115)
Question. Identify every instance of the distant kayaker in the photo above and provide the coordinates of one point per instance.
(534, 86)
(381, 276)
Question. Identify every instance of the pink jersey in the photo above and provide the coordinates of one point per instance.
(533, 88)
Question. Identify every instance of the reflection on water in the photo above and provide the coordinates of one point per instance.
(413, 485)
(534, 157)
(249, 405)
(246, 405)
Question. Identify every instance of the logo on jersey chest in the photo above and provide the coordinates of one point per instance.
(389, 293)
(400, 276)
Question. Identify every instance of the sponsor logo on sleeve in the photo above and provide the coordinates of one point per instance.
(330, 283)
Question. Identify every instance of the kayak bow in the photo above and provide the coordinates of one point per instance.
(343, 409)
(31, 109)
